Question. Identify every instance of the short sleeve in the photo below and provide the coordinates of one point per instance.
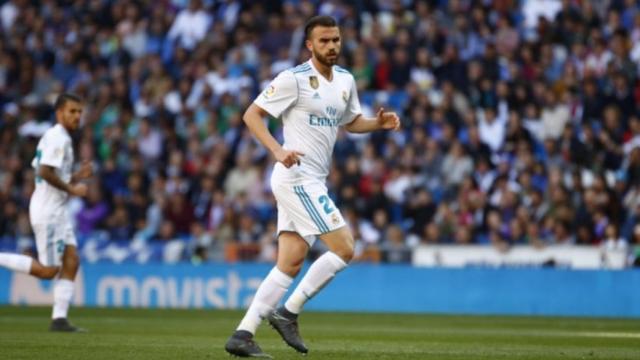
(52, 152)
(353, 105)
(279, 95)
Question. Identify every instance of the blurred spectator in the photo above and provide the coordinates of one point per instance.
(118, 223)
(243, 178)
(93, 212)
(634, 258)
(612, 241)
(149, 142)
(190, 25)
(520, 119)
(492, 128)
(394, 249)
(458, 166)
(179, 213)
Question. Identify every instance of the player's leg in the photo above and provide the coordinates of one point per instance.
(340, 243)
(285, 319)
(16, 262)
(292, 249)
(26, 264)
(316, 214)
(64, 286)
(43, 272)
(56, 244)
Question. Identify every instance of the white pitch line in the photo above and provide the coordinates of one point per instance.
(489, 331)
(626, 335)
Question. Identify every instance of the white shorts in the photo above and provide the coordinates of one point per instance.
(51, 239)
(306, 209)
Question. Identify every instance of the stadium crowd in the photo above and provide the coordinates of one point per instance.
(521, 119)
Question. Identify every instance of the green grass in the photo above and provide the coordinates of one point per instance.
(201, 334)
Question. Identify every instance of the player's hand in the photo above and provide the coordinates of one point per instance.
(86, 170)
(80, 190)
(388, 120)
(288, 158)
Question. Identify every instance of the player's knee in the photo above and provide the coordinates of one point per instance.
(345, 252)
(71, 262)
(44, 272)
(49, 272)
(291, 268)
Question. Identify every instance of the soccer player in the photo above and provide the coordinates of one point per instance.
(313, 99)
(55, 239)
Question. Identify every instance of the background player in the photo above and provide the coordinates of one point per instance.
(313, 100)
(55, 239)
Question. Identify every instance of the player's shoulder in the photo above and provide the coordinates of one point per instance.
(301, 69)
(341, 70)
(342, 73)
(56, 134)
(52, 131)
(292, 73)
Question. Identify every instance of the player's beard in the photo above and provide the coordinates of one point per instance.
(325, 60)
(71, 123)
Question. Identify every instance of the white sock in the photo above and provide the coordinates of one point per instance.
(16, 262)
(318, 275)
(62, 294)
(272, 289)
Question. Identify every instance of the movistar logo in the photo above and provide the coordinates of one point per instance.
(333, 118)
(315, 120)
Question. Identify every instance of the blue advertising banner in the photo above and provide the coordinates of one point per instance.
(370, 288)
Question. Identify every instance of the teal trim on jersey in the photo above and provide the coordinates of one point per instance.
(303, 65)
(38, 158)
(306, 63)
(304, 193)
(339, 69)
(314, 215)
(308, 205)
(315, 210)
(302, 68)
(302, 71)
(296, 189)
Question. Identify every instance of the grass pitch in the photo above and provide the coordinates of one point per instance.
(201, 334)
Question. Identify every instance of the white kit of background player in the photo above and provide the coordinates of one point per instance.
(313, 100)
(55, 239)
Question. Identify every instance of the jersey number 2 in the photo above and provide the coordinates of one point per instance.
(324, 200)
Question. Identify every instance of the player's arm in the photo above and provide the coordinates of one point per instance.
(85, 172)
(253, 118)
(382, 121)
(48, 173)
(355, 122)
(281, 94)
(50, 158)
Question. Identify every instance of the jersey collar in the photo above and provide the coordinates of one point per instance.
(333, 75)
(64, 130)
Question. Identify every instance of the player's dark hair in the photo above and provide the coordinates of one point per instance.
(320, 20)
(64, 98)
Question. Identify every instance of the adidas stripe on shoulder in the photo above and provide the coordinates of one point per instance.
(302, 68)
(342, 70)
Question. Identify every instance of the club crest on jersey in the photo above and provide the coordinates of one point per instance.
(270, 91)
(335, 219)
(313, 81)
(345, 97)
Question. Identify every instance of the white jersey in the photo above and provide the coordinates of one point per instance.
(48, 204)
(312, 108)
